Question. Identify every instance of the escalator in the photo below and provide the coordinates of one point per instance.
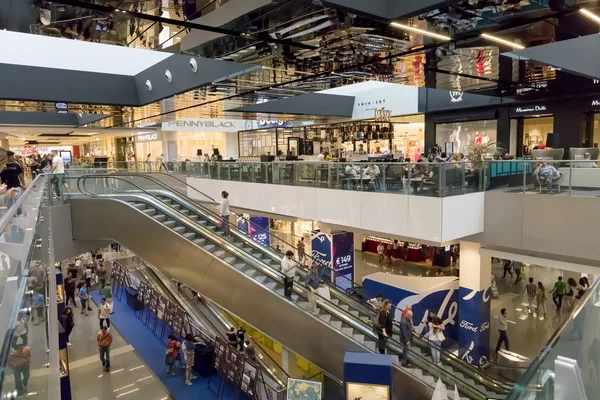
(186, 242)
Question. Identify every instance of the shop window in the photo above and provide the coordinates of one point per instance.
(535, 132)
(457, 136)
(596, 131)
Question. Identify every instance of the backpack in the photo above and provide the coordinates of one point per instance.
(530, 290)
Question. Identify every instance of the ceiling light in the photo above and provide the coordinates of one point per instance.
(421, 31)
(23, 138)
(97, 138)
(506, 42)
(590, 15)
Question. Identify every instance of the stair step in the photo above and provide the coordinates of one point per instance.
(354, 313)
(189, 235)
(170, 223)
(337, 325)
(303, 304)
(429, 380)
(272, 285)
(200, 241)
(415, 372)
(239, 266)
(347, 331)
(176, 206)
(160, 217)
(335, 301)
(261, 278)
(371, 346)
(344, 307)
(179, 229)
(325, 317)
(250, 271)
(360, 338)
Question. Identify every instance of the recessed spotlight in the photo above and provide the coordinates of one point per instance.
(97, 138)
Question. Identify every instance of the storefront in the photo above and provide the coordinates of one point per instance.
(149, 144)
(42, 150)
(530, 126)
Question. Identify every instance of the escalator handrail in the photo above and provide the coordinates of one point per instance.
(348, 316)
(506, 386)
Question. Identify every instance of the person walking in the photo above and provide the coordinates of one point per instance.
(104, 314)
(149, 163)
(558, 291)
(531, 291)
(570, 293)
(107, 292)
(380, 251)
(312, 284)
(21, 329)
(436, 337)
(301, 246)
(101, 274)
(19, 361)
(172, 355)
(541, 298)
(385, 325)
(69, 285)
(104, 340)
(232, 338)
(39, 303)
(58, 171)
(189, 352)
(406, 336)
(87, 275)
(67, 323)
(241, 335)
(518, 266)
(83, 297)
(502, 328)
(506, 264)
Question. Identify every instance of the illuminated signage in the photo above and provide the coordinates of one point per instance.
(147, 137)
(456, 96)
(530, 109)
(227, 125)
(595, 103)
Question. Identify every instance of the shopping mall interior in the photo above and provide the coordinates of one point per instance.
(299, 199)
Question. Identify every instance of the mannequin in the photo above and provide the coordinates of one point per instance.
(455, 137)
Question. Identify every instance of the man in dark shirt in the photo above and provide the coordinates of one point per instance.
(406, 336)
(12, 175)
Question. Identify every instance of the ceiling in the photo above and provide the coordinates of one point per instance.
(341, 47)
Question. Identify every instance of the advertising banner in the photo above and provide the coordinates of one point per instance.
(321, 254)
(474, 325)
(259, 229)
(343, 260)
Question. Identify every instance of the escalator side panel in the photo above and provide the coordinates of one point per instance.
(199, 269)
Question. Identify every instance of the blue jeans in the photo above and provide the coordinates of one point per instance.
(435, 351)
(548, 176)
(105, 357)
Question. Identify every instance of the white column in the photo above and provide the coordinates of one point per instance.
(474, 304)
(285, 363)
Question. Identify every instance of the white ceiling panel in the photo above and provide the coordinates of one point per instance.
(50, 52)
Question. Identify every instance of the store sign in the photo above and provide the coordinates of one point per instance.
(394, 98)
(527, 109)
(227, 125)
(595, 103)
(343, 260)
(456, 96)
(147, 137)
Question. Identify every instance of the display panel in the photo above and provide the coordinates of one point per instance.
(462, 134)
(298, 389)
(364, 391)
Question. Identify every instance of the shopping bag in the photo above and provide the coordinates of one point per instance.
(220, 223)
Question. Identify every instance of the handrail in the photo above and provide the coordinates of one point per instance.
(334, 310)
(366, 310)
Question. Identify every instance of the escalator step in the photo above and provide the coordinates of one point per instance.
(303, 304)
(160, 217)
(250, 272)
(176, 206)
(150, 211)
(189, 235)
(325, 317)
(347, 331)
(169, 224)
(239, 266)
(354, 313)
(272, 285)
(211, 227)
(429, 380)
(257, 255)
(415, 372)
(167, 200)
(229, 260)
(345, 307)
(194, 217)
(209, 247)
(185, 211)
(359, 337)
(337, 325)
(139, 206)
(202, 222)
(179, 229)
(200, 241)
(371, 345)
(261, 278)
(219, 253)
(335, 301)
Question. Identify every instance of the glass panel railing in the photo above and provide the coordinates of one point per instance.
(435, 179)
(24, 295)
(569, 364)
